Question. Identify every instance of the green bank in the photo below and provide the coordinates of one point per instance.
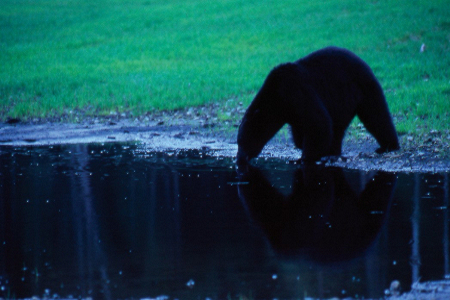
(104, 56)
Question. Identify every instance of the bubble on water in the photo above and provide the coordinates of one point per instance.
(190, 284)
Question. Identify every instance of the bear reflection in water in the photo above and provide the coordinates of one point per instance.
(323, 218)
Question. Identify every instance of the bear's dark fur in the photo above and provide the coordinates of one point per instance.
(318, 96)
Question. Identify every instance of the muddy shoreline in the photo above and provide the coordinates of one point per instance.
(418, 154)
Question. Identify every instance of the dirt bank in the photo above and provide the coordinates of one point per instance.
(193, 130)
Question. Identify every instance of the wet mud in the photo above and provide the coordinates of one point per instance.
(431, 155)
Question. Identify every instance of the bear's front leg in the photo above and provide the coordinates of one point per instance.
(313, 133)
(316, 146)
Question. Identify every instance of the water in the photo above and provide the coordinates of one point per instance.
(117, 222)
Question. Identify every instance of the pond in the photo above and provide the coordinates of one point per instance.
(117, 221)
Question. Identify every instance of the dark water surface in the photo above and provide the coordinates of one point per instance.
(116, 222)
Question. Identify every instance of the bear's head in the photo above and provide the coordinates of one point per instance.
(259, 124)
(267, 113)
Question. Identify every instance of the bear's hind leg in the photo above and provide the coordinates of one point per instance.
(374, 113)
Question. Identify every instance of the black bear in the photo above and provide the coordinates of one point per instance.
(318, 96)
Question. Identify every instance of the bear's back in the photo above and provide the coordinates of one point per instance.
(338, 65)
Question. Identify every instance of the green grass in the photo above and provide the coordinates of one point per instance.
(116, 55)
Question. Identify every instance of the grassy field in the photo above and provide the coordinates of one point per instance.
(113, 55)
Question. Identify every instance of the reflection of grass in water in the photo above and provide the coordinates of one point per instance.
(112, 55)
